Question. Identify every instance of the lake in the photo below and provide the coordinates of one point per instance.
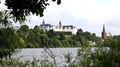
(43, 54)
(40, 53)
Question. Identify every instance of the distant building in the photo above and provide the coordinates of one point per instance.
(92, 43)
(58, 28)
(104, 34)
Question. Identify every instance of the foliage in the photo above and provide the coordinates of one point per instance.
(5, 17)
(99, 56)
(22, 8)
(87, 56)
(83, 36)
(68, 58)
(9, 40)
(116, 37)
(27, 63)
(37, 38)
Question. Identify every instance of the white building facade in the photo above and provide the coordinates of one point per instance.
(58, 28)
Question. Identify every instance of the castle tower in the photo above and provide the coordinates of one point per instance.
(43, 22)
(60, 25)
(104, 34)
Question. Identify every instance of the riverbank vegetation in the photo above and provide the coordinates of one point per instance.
(36, 38)
(87, 56)
(10, 41)
(106, 55)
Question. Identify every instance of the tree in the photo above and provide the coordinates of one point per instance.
(24, 28)
(37, 29)
(93, 37)
(116, 37)
(79, 31)
(56, 42)
(9, 40)
(61, 36)
(51, 34)
(22, 8)
(23, 32)
(5, 18)
(44, 40)
(35, 37)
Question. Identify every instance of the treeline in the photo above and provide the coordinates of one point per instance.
(36, 38)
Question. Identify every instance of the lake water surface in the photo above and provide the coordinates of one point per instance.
(39, 53)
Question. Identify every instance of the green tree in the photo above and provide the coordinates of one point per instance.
(51, 34)
(93, 37)
(82, 36)
(56, 42)
(65, 43)
(34, 37)
(61, 36)
(101, 56)
(23, 32)
(79, 31)
(9, 40)
(44, 40)
(24, 28)
(37, 29)
(5, 18)
(116, 37)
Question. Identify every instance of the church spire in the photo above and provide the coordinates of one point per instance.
(104, 35)
(104, 28)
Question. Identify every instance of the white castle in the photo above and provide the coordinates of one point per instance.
(58, 28)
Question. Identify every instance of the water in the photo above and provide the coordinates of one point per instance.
(39, 53)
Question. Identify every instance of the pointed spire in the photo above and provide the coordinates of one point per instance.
(103, 27)
(43, 21)
(104, 35)
(60, 23)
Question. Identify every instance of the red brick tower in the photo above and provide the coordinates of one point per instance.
(104, 34)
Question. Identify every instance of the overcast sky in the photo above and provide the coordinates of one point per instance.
(90, 15)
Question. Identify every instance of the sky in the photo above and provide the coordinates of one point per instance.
(89, 15)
